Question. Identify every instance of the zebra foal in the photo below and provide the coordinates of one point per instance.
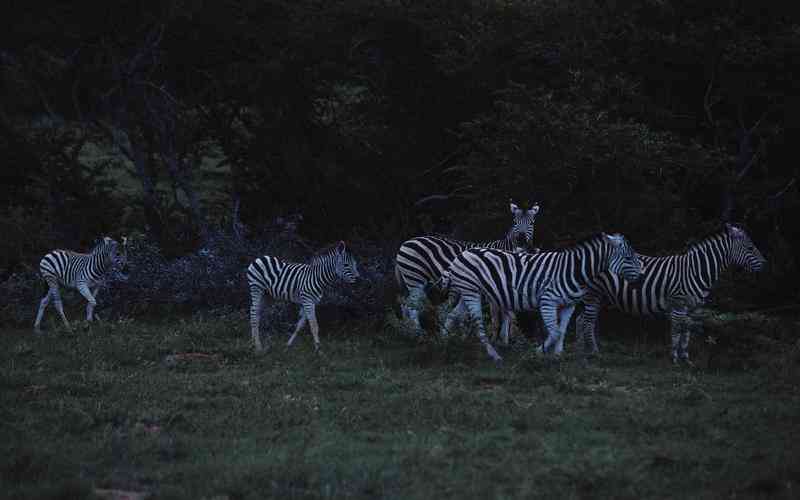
(82, 271)
(423, 259)
(673, 285)
(552, 282)
(299, 283)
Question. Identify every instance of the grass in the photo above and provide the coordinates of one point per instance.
(116, 406)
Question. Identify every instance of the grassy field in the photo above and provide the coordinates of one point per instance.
(183, 409)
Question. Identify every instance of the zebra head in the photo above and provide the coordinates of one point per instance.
(743, 251)
(623, 259)
(346, 267)
(115, 258)
(521, 232)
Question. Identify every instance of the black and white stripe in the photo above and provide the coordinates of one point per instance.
(552, 282)
(85, 272)
(299, 283)
(673, 285)
(423, 259)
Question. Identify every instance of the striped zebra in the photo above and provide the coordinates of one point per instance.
(299, 283)
(423, 259)
(82, 271)
(673, 285)
(552, 282)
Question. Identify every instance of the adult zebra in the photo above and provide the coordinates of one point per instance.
(423, 259)
(299, 283)
(552, 282)
(85, 272)
(673, 285)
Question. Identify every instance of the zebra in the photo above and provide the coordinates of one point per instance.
(423, 259)
(674, 285)
(552, 282)
(82, 271)
(299, 283)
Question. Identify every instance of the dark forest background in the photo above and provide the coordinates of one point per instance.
(205, 127)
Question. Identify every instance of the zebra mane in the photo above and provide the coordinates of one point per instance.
(695, 244)
(466, 242)
(325, 252)
(580, 242)
(101, 244)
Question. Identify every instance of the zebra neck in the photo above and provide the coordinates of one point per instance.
(708, 259)
(102, 261)
(466, 245)
(505, 244)
(589, 260)
(323, 273)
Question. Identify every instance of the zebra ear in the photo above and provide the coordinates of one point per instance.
(515, 210)
(534, 209)
(733, 231)
(340, 247)
(614, 239)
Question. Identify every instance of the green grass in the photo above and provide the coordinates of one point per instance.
(378, 416)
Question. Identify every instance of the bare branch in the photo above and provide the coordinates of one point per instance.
(442, 197)
(113, 135)
(236, 224)
(783, 191)
(707, 105)
(160, 89)
(750, 163)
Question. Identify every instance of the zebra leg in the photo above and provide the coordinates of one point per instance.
(564, 315)
(414, 303)
(683, 351)
(311, 316)
(586, 325)
(505, 327)
(87, 294)
(548, 309)
(678, 324)
(473, 305)
(256, 300)
(300, 324)
(497, 322)
(94, 293)
(40, 312)
(60, 306)
(453, 316)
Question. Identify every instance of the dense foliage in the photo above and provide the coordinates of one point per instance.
(379, 120)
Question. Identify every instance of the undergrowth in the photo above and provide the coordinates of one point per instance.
(182, 408)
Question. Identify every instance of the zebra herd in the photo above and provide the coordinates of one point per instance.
(509, 274)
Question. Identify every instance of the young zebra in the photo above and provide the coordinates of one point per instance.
(423, 259)
(82, 271)
(299, 283)
(552, 282)
(672, 285)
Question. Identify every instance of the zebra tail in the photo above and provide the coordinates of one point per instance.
(400, 281)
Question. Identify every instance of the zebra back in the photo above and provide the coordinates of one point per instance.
(423, 259)
(516, 280)
(72, 268)
(688, 276)
(293, 281)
